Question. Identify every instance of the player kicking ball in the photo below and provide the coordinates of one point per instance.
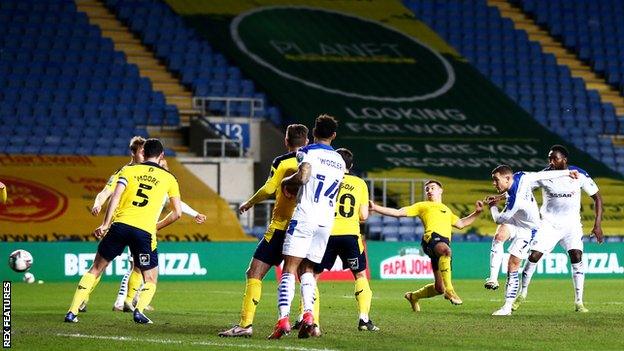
(438, 220)
(561, 223)
(519, 220)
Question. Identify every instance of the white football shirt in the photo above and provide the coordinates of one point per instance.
(521, 208)
(316, 199)
(562, 197)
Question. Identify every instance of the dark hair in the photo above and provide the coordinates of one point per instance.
(561, 149)
(296, 135)
(433, 181)
(502, 169)
(347, 156)
(152, 148)
(325, 126)
(136, 143)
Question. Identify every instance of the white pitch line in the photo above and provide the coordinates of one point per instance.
(198, 343)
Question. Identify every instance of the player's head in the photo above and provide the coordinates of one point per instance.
(135, 146)
(347, 156)
(433, 190)
(325, 128)
(296, 136)
(153, 149)
(558, 157)
(502, 178)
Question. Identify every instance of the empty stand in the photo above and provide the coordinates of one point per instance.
(63, 87)
(529, 76)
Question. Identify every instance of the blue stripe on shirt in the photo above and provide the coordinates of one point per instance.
(511, 199)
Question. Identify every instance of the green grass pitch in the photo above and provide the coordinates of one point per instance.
(188, 316)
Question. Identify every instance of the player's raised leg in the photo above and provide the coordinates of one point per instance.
(497, 254)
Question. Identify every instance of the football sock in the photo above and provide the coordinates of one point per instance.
(578, 278)
(511, 291)
(253, 290)
(285, 294)
(444, 266)
(496, 258)
(363, 296)
(82, 291)
(527, 274)
(95, 283)
(147, 293)
(426, 291)
(123, 289)
(308, 291)
(317, 306)
(134, 285)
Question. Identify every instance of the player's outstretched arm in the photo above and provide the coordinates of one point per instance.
(268, 189)
(466, 221)
(189, 211)
(546, 175)
(173, 215)
(100, 200)
(597, 230)
(108, 217)
(387, 211)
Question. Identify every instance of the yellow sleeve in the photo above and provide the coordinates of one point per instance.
(454, 218)
(174, 189)
(270, 186)
(3, 195)
(364, 193)
(414, 210)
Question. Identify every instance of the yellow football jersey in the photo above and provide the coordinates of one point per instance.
(436, 217)
(353, 193)
(282, 167)
(147, 184)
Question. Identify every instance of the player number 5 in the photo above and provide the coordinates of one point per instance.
(141, 194)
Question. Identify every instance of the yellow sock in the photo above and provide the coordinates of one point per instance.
(95, 283)
(317, 307)
(444, 265)
(253, 291)
(425, 292)
(134, 284)
(363, 296)
(82, 291)
(147, 293)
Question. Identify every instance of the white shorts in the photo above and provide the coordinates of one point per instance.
(520, 241)
(306, 240)
(570, 237)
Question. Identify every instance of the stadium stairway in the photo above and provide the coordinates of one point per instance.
(608, 94)
(149, 66)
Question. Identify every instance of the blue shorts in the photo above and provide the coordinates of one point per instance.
(348, 248)
(270, 252)
(428, 248)
(121, 235)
